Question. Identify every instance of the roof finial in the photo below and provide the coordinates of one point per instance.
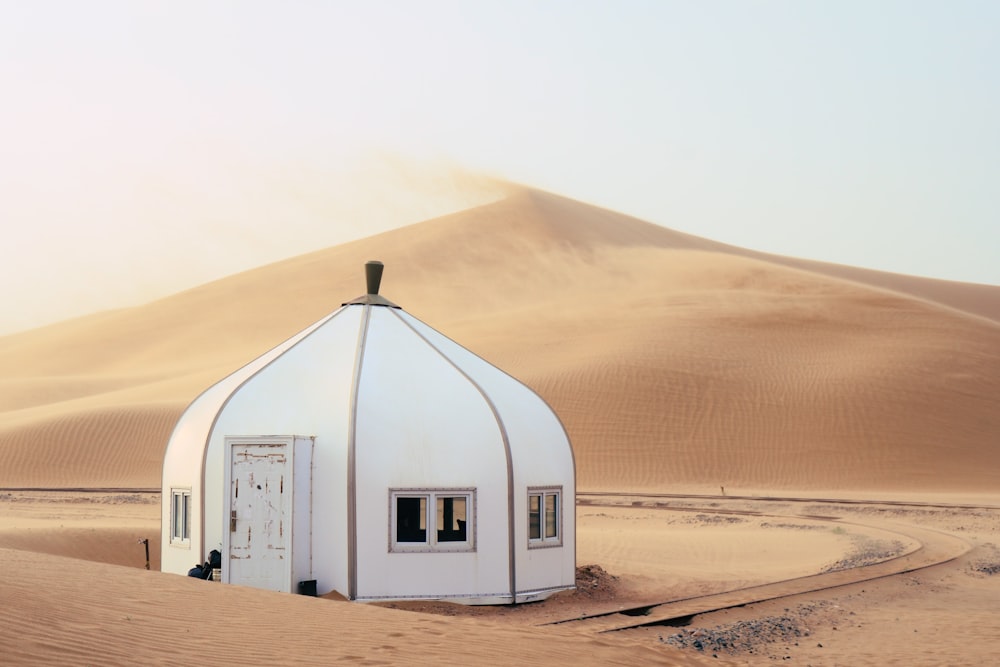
(373, 275)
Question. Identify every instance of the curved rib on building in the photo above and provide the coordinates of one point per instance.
(373, 456)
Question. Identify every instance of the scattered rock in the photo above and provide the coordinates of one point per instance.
(594, 581)
(753, 636)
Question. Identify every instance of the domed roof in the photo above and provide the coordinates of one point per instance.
(383, 361)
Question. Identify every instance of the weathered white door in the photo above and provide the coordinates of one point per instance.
(260, 521)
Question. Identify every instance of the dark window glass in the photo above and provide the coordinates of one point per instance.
(451, 519)
(551, 512)
(411, 519)
(534, 517)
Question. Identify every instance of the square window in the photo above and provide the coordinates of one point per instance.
(449, 527)
(544, 517)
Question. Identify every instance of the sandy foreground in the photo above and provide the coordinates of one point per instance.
(777, 459)
(75, 592)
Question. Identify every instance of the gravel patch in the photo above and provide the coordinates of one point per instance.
(593, 581)
(988, 561)
(867, 551)
(715, 519)
(761, 635)
(793, 526)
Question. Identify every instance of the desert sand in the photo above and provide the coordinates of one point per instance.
(777, 459)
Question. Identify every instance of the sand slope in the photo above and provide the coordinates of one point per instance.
(108, 616)
(674, 361)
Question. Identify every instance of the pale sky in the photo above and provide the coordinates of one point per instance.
(146, 147)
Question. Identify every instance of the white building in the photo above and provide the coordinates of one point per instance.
(378, 458)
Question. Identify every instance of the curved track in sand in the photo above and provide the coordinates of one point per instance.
(784, 499)
(935, 548)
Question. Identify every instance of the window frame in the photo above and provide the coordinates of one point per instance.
(545, 492)
(432, 544)
(180, 522)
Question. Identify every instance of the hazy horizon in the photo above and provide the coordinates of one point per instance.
(152, 147)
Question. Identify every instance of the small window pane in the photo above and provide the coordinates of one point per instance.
(411, 519)
(534, 517)
(175, 529)
(451, 519)
(550, 515)
(186, 515)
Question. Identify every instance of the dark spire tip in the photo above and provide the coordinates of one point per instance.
(373, 275)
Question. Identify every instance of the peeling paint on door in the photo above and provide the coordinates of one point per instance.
(257, 557)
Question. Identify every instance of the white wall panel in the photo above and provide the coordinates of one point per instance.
(542, 456)
(421, 423)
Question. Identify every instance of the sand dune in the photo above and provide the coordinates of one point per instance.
(678, 364)
(673, 360)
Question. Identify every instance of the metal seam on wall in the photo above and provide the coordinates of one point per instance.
(352, 498)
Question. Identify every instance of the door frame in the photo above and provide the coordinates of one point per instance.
(231, 442)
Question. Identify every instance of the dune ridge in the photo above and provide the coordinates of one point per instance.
(672, 360)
